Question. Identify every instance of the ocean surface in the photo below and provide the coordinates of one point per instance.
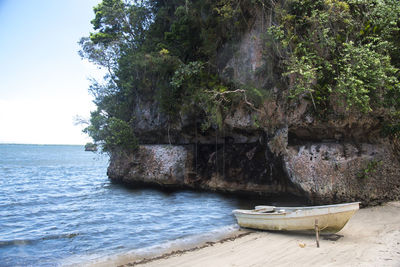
(57, 207)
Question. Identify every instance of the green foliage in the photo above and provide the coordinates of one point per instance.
(366, 76)
(183, 85)
(369, 169)
(119, 134)
(119, 21)
(90, 147)
(186, 73)
(111, 132)
(158, 50)
(200, 90)
(336, 50)
(329, 51)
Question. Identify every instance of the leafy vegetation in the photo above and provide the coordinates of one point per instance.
(341, 50)
(371, 168)
(90, 147)
(163, 50)
(331, 52)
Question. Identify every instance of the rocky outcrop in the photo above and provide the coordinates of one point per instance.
(240, 168)
(151, 164)
(322, 172)
(279, 148)
(340, 172)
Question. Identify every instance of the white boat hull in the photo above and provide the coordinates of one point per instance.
(331, 218)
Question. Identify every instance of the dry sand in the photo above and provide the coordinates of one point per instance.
(371, 238)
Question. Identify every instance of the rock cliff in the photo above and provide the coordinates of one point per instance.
(277, 148)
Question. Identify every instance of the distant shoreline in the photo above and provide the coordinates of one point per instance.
(23, 144)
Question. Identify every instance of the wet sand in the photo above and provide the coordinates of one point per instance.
(370, 238)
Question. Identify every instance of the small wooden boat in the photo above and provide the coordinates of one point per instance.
(330, 218)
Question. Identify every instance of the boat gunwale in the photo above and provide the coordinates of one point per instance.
(299, 211)
(322, 206)
(316, 207)
(268, 217)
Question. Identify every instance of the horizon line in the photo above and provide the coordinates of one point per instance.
(39, 144)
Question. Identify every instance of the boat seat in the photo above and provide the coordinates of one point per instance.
(264, 208)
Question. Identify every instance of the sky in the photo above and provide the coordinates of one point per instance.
(43, 81)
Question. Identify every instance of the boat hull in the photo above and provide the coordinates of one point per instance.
(331, 218)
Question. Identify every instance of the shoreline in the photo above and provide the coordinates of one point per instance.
(370, 238)
(165, 250)
(237, 234)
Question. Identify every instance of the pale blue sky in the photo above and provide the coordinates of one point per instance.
(43, 81)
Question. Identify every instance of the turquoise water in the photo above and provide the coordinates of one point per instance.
(58, 207)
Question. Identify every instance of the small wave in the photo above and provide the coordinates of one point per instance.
(24, 242)
(187, 242)
(183, 243)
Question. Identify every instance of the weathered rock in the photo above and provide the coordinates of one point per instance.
(151, 164)
(240, 61)
(331, 173)
(239, 168)
(151, 126)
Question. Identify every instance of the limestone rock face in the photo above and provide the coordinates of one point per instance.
(240, 168)
(330, 172)
(152, 164)
(240, 61)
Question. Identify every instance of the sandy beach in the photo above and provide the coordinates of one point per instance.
(371, 238)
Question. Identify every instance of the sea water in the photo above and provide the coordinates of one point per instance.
(58, 207)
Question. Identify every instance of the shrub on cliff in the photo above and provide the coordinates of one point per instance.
(341, 50)
(162, 50)
(111, 133)
(331, 52)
